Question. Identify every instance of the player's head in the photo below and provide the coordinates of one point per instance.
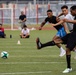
(25, 27)
(64, 9)
(49, 13)
(73, 10)
(22, 13)
(0, 25)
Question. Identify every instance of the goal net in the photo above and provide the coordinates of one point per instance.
(6, 17)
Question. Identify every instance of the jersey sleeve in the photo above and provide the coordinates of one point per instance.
(25, 16)
(19, 17)
(46, 20)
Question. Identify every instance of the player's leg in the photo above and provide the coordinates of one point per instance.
(22, 24)
(62, 51)
(27, 36)
(71, 43)
(40, 45)
(20, 35)
(68, 60)
(2, 35)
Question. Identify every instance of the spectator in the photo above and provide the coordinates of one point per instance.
(2, 34)
(22, 19)
(25, 33)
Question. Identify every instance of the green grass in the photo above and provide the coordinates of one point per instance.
(25, 59)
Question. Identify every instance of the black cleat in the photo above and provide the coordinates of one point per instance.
(38, 43)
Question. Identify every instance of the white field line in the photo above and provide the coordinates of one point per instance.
(20, 46)
(33, 56)
(17, 73)
(32, 63)
(1, 63)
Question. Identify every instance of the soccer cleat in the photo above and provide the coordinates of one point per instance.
(38, 43)
(62, 53)
(67, 70)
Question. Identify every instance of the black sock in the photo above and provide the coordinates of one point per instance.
(68, 59)
(51, 43)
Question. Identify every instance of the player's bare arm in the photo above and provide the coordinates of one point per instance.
(24, 20)
(60, 14)
(59, 22)
(70, 21)
(42, 24)
(65, 27)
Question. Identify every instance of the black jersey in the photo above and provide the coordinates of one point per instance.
(74, 26)
(21, 17)
(53, 20)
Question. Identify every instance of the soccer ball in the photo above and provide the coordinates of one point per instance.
(4, 54)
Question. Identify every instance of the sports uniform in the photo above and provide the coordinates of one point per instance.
(70, 39)
(61, 31)
(2, 34)
(24, 32)
(69, 25)
(21, 17)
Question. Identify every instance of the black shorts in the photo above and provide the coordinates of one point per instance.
(70, 40)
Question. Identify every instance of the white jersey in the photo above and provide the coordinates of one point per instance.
(69, 17)
(27, 31)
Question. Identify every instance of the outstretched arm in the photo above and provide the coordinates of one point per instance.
(70, 21)
(60, 14)
(42, 24)
(65, 27)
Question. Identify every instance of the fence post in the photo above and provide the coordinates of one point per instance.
(13, 13)
(48, 6)
(25, 10)
(2, 14)
(37, 13)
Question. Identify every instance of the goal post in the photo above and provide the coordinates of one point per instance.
(6, 17)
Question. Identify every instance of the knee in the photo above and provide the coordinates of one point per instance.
(28, 36)
(68, 51)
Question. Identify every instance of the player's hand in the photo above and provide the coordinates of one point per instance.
(65, 20)
(40, 28)
(53, 24)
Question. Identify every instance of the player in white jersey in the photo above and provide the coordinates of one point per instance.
(68, 16)
(25, 32)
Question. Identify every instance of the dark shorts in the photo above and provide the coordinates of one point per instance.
(26, 37)
(2, 35)
(70, 40)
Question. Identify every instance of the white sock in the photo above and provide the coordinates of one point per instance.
(61, 49)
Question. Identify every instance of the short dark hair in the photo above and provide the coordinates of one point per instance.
(64, 6)
(49, 10)
(1, 24)
(73, 7)
(24, 26)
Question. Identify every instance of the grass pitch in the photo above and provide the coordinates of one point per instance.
(25, 59)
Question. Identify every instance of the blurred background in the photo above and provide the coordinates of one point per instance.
(35, 10)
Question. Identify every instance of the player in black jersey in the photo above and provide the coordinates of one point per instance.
(60, 28)
(69, 39)
(22, 19)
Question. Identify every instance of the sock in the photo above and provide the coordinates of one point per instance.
(68, 59)
(61, 49)
(51, 43)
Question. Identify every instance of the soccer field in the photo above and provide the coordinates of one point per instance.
(25, 59)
